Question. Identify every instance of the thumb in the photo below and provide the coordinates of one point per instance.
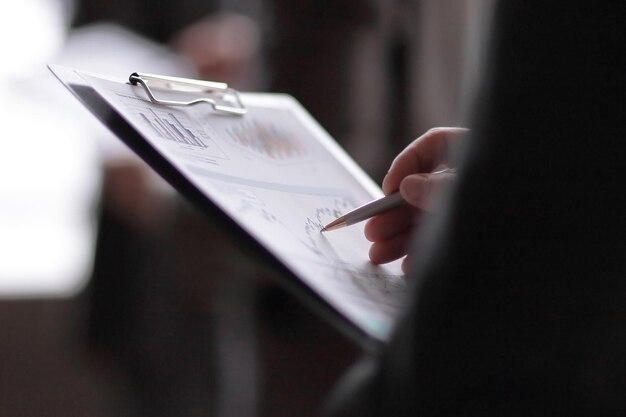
(417, 189)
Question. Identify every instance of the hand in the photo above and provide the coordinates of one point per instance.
(416, 173)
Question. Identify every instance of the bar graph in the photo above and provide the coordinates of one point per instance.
(173, 127)
(170, 127)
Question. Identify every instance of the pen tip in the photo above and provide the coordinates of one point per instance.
(323, 230)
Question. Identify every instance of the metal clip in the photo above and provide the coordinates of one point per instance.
(220, 97)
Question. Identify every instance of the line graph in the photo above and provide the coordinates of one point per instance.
(321, 216)
(367, 278)
(336, 252)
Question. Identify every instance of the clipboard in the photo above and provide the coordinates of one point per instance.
(262, 168)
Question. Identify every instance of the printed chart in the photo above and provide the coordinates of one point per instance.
(299, 219)
(266, 139)
(171, 126)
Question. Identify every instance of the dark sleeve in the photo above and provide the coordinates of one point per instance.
(519, 303)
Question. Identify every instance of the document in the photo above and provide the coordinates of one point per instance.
(280, 177)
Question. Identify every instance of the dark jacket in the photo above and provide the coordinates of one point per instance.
(519, 287)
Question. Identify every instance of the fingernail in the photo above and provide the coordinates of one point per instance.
(412, 188)
(446, 170)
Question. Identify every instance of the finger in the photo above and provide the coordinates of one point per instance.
(423, 155)
(390, 249)
(417, 189)
(390, 223)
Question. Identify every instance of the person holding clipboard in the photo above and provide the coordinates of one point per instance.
(517, 299)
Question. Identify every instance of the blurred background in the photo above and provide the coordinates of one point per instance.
(117, 298)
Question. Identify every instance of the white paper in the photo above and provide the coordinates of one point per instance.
(279, 175)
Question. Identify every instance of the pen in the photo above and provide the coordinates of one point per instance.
(366, 211)
(372, 208)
